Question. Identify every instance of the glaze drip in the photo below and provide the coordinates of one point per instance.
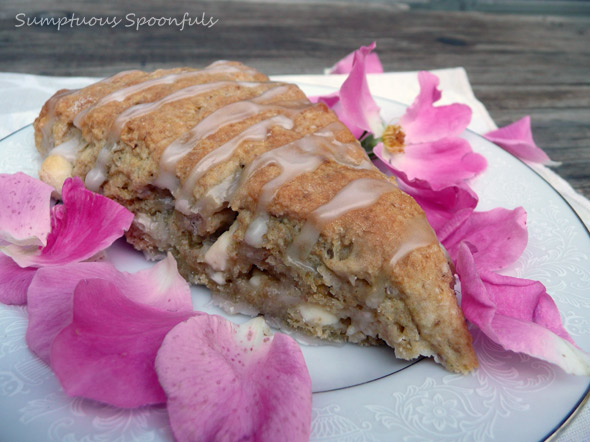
(358, 194)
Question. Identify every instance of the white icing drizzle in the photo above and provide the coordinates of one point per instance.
(256, 132)
(122, 94)
(47, 140)
(142, 109)
(417, 234)
(294, 159)
(230, 114)
(69, 149)
(97, 174)
(357, 194)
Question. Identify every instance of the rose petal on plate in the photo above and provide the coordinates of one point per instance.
(25, 210)
(50, 296)
(518, 314)
(344, 66)
(85, 224)
(497, 237)
(517, 138)
(445, 209)
(229, 382)
(442, 163)
(355, 106)
(14, 281)
(160, 286)
(423, 122)
(107, 353)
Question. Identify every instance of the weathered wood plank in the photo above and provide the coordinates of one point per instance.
(518, 64)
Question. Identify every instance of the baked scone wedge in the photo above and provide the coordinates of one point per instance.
(265, 198)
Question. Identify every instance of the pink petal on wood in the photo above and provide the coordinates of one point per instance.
(517, 138)
(228, 382)
(14, 281)
(25, 210)
(423, 122)
(108, 351)
(85, 224)
(344, 66)
(496, 237)
(51, 292)
(518, 314)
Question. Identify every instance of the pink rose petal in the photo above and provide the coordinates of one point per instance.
(518, 314)
(497, 237)
(445, 209)
(107, 353)
(443, 163)
(14, 281)
(354, 104)
(517, 138)
(234, 383)
(50, 296)
(24, 213)
(85, 224)
(423, 122)
(344, 66)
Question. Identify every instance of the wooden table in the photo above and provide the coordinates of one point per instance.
(518, 64)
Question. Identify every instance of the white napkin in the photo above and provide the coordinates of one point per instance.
(23, 95)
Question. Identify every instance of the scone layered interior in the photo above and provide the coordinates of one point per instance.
(264, 197)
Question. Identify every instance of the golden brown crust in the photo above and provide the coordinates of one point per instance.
(349, 274)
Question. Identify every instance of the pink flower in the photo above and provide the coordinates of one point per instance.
(425, 146)
(35, 236)
(228, 382)
(431, 162)
(344, 66)
(517, 138)
(518, 314)
(353, 103)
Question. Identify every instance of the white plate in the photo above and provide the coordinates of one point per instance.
(361, 394)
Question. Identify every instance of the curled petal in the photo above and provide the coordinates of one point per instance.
(344, 66)
(497, 237)
(354, 104)
(85, 224)
(50, 296)
(518, 314)
(14, 281)
(25, 210)
(107, 353)
(517, 138)
(228, 382)
(160, 286)
(441, 163)
(423, 122)
(445, 209)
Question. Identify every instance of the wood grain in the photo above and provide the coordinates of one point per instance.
(518, 64)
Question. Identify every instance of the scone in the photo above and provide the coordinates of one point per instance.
(265, 198)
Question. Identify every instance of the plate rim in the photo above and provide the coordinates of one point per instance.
(585, 396)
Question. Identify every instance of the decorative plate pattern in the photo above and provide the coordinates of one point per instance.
(361, 394)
